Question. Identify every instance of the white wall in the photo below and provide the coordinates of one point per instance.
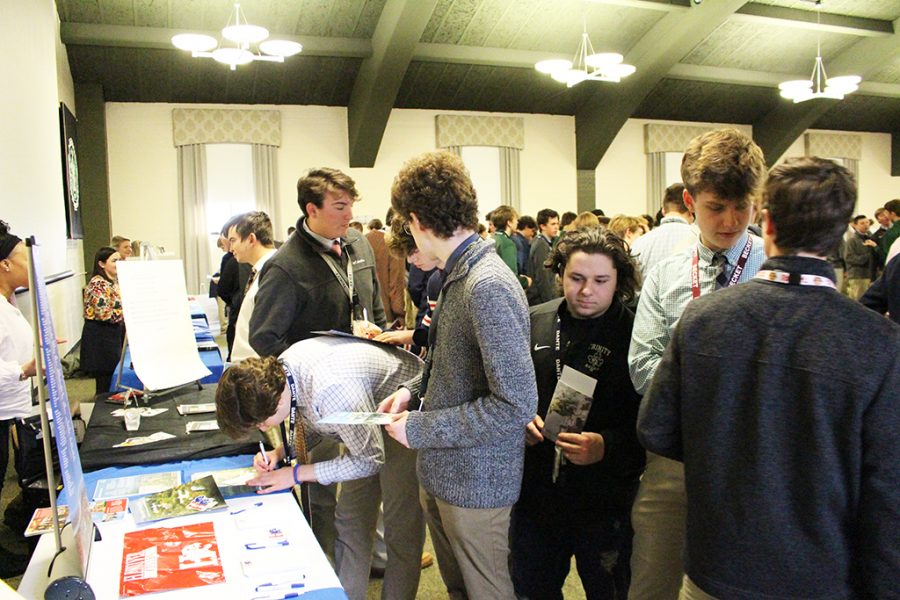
(36, 75)
(622, 174)
(876, 186)
(143, 172)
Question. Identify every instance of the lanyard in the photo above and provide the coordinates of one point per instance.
(556, 348)
(288, 436)
(795, 279)
(735, 275)
(347, 283)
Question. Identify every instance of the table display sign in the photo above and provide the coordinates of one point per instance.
(66, 445)
(160, 333)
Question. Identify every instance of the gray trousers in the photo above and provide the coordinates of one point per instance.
(323, 498)
(472, 548)
(658, 518)
(355, 517)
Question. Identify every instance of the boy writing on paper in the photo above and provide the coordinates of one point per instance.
(310, 380)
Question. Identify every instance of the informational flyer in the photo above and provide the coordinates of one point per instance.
(357, 418)
(136, 485)
(201, 495)
(570, 404)
(158, 319)
(231, 482)
(170, 558)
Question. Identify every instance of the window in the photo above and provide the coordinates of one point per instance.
(229, 190)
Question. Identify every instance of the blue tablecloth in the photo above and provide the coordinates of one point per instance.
(211, 358)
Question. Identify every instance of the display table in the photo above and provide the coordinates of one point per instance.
(211, 358)
(104, 431)
(104, 569)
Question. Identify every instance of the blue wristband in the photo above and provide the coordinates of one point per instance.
(296, 481)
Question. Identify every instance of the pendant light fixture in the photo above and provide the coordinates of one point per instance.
(243, 36)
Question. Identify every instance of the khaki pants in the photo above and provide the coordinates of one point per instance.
(857, 287)
(690, 591)
(472, 547)
(658, 518)
(355, 519)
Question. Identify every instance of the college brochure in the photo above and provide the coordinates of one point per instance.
(231, 482)
(570, 404)
(136, 485)
(201, 495)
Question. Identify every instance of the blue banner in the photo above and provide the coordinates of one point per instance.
(66, 445)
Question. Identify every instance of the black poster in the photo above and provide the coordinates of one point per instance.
(70, 172)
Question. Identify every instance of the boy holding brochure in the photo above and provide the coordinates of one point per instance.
(311, 380)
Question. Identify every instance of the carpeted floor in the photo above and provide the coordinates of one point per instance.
(430, 586)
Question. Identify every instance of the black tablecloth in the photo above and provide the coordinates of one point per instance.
(104, 431)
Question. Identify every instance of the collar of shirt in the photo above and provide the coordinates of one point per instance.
(454, 256)
(804, 265)
(546, 239)
(673, 219)
(258, 265)
(732, 254)
(326, 242)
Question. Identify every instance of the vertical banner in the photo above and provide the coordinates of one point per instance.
(67, 448)
(69, 140)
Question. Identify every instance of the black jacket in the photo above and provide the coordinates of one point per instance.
(598, 348)
(299, 293)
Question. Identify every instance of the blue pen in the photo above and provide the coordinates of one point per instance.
(285, 597)
(271, 587)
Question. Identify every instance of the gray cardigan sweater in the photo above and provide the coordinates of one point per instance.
(481, 394)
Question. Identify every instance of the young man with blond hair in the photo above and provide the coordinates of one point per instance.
(723, 173)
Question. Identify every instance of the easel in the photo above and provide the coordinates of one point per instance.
(130, 392)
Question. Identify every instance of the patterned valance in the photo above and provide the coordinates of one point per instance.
(833, 145)
(670, 138)
(223, 126)
(464, 130)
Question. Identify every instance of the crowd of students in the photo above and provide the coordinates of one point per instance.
(737, 431)
(734, 410)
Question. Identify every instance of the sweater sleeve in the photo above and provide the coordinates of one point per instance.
(273, 312)
(512, 399)
(659, 417)
(880, 494)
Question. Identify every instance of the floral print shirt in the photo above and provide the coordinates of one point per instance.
(102, 301)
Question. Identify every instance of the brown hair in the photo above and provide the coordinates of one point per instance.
(501, 216)
(586, 219)
(437, 188)
(592, 240)
(313, 186)
(401, 243)
(810, 200)
(673, 200)
(621, 224)
(724, 162)
(248, 394)
(255, 222)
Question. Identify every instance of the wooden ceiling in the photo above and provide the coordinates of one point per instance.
(714, 61)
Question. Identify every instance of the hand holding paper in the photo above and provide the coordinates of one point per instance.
(582, 448)
(395, 403)
(397, 429)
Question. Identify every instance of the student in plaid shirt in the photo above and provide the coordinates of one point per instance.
(333, 375)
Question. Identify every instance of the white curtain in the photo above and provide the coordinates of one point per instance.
(656, 180)
(192, 201)
(510, 188)
(265, 176)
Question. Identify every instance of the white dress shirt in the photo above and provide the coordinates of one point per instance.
(16, 349)
(241, 347)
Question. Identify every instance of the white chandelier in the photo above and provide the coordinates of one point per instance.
(243, 34)
(819, 85)
(587, 65)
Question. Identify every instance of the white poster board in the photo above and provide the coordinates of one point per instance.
(158, 322)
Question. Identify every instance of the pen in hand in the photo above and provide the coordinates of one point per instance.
(265, 457)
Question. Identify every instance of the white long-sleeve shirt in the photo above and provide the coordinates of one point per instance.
(16, 349)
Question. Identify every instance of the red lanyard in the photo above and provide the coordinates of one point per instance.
(735, 275)
(803, 279)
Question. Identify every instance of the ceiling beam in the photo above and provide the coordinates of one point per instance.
(659, 5)
(399, 29)
(89, 34)
(765, 78)
(806, 19)
(605, 111)
(777, 130)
